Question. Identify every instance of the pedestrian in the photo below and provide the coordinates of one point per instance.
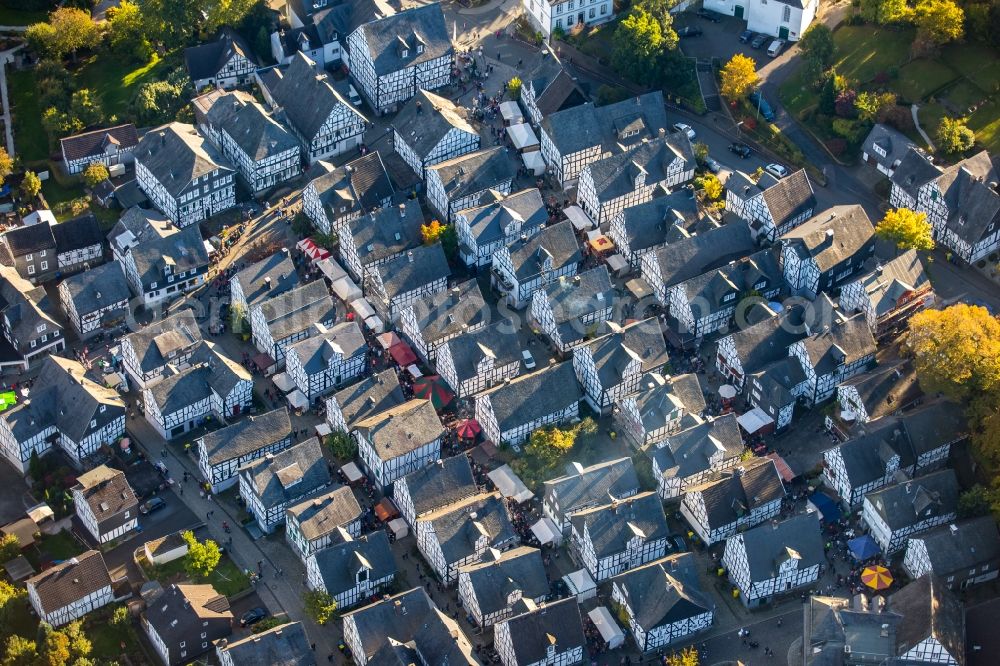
(329, 657)
(313, 646)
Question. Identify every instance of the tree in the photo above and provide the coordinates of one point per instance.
(85, 106)
(31, 185)
(202, 556)
(710, 185)
(20, 651)
(739, 77)
(94, 174)
(342, 445)
(226, 12)
(41, 38)
(956, 351)
(660, 11)
(6, 165)
(817, 44)
(833, 85)
(172, 22)
(79, 645)
(319, 605)
(954, 136)
(939, 21)
(267, 624)
(431, 233)
(701, 152)
(12, 600)
(514, 88)
(10, 547)
(909, 230)
(68, 30)
(53, 646)
(158, 102)
(127, 32)
(637, 41)
(547, 445)
(120, 617)
(975, 502)
(870, 104)
(884, 11)
(686, 657)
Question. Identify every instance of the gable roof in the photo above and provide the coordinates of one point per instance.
(557, 242)
(474, 172)
(386, 38)
(370, 396)
(323, 513)
(339, 564)
(401, 429)
(497, 575)
(358, 186)
(98, 288)
(205, 60)
(29, 239)
(555, 624)
(459, 527)
(267, 278)
(836, 234)
(179, 614)
(344, 340)
(935, 425)
(709, 291)
(615, 176)
(662, 220)
(425, 119)
(256, 133)
(155, 343)
(887, 389)
(846, 341)
(493, 341)
(658, 397)
(688, 257)
(907, 503)
(439, 315)
(614, 351)
(307, 97)
(249, 434)
(175, 154)
(489, 222)
(387, 231)
(419, 267)
(587, 486)
(614, 524)
(447, 481)
(790, 197)
(561, 92)
(106, 491)
(970, 191)
(689, 451)
(298, 309)
(572, 298)
(287, 645)
(865, 457)
(739, 491)
(897, 278)
(895, 144)
(209, 371)
(663, 592)
(914, 171)
(532, 396)
(768, 340)
(283, 477)
(929, 610)
(70, 581)
(93, 143)
(585, 126)
(961, 546)
(770, 544)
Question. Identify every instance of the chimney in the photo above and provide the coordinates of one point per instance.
(576, 279)
(267, 282)
(829, 234)
(456, 294)
(746, 189)
(402, 210)
(98, 294)
(662, 133)
(409, 255)
(953, 528)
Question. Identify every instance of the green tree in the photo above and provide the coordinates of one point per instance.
(739, 77)
(700, 152)
(514, 88)
(127, 32)
(817, 44)
(909, 230)
(870, 104)
(660, 10)
(20, 651)
(173, 22)
(41, 38)
(939, 21)
(833, 85)
(85, 106)
(954, 136)
(226, 12)
(31, 185)
(851, 130)
(94, 174)
(202, 556)
(637, 42)
(267, 624)
(319, 606)
(976, 501)
(885, 11)
(68, 30)
(342, 445)
(12, 601)
(79, 645)
(710, 185)
(53, 646)
(6, 165)
(10, 547)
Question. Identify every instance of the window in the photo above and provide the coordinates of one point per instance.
(45, 338)
(93, 423)
(45, 265)
(204, 645)
(183, 644)
(152, 286)
(31, 269)
(41, 328)
(404, 53)
(571, 3)
(128, 514)
(604, 10)
(786, 15)
(728, 297)
(570, 20)
(204, 634)
(32, 344)
(592, 13)
(27, 257)
(41, 253)
(420, 48)
(559, 22)
(103, 409)
(560, 8)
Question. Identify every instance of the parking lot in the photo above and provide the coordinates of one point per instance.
(719, 40)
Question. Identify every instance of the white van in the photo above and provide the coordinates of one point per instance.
(352, 94)
(775, 48)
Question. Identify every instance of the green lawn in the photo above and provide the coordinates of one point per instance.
(978, 62)
(864, 50)
(18, 17)
(920, 78)
(60, 546)
(986, 124)
(107, 639)
(963, 94)
(116, 82)
(30, 139)
(227, 578)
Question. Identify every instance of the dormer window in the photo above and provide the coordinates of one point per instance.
(728, 297)
(404, 53)
(420, 48)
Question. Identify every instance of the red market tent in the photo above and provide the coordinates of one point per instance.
(402, 354)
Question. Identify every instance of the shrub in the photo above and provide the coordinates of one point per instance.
(837, 147)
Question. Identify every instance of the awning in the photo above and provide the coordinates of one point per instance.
(522, 136)
(399, 528)
(618, 264)
(345, 289)
(386, 510)
(363, 308)
(283, 382)
(402, 354)
(414, 371)
(534, 161)
(579, 219)
(312, 250)
(298, 399)
(581, 584)
(388, 340)
(605, 623)
(351, 472)
(826, 507)
(263, 361)
(322, 429)
(863, 547)
(24, 529)
(754, 420)
(546, 531)
(509, 485)
(374, 324)
(40, 512)
(511, 112)
(783, 469)
(331, 269)
(209, 248)
(600, 244)
(19, 568)
(639, 288)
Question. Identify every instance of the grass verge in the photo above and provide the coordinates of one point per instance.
(227, 578)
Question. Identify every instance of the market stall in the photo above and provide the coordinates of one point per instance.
(581, 585)
(578, 218)
(509, 485)
(511, 113)
(523, 137)
(546, 532)
(534, 162)
(606, 625)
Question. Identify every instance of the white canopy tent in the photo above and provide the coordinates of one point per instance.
(546, 532)
(605, 623)
(511, 113)
(523, 137)
(534, 161)
(754, 420)
(331, 269)
(346, 290)
(351, 472)
(581, 585)
(399, 528)
(579, 219)
(298, 400)
(510, 485)
(618, 264)
(283, 382)
(374, 324)
(322, 429)
(362, 308)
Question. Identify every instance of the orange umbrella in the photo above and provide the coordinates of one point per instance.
(876, 577)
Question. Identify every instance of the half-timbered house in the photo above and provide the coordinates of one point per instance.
(662, 602)
(79, 244)
(344, 193)
(886, 390)
(500, 223)
(185, 621)
(160, 260)
(431, 321)
(884, 148)
(283, 320)
(865, 464)
(549, 88)
(570, 311)
(771, 207)
(490, 587)
(649, 226)
(394, 57)
(265, 279)
(71, 589)
(95, 299)
(932, 630)
(961, 554)
(400, 440)
(213, 386)
(890, 294)
(531, 263)
(395, 284)
(45, 250)
(895, 513)
(226, 62)
(430, 129)
(353, 571)
(108, 146)
(535, 635)
(323, 520)
(464, 181)
(619, 535)
(380, 236)
(430, 488)
(574, 137)
(775, 558)
(511, 412)
(478, 361)
(105, 504)
(221, 453)
(29, 321)
(735, 499)
(183, 175)
(271, 484)
(611, 366)
(610, 185)
(327, 360)
(148, 352)
(284, 644)
(822, 253)
(370, 396)
(914, 171)
(689, 457)
(661, 406)
(773, 392)
(583, 488)
(833, 355)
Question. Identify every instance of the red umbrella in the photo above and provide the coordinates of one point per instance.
(432, 388)
(468, 429)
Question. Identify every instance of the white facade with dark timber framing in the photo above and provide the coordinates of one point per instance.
(380, 236)
(161, 347)
(285, 319)
(826, 250)
(531, 263)
(690, 457)
(368, 397)
(354, 571)
(427, 489)
(269, 485)
(890, 294)
(431, 321)
(485, 229)
(323, 362)
(584, 488)
(474, 362)
(221, 453)
(465, 181)
(569, 312)
(833, 355)
(489, 588)
(619, 536)
(95, 299)
(108, 146)
(226, 62)
(736, 499)
(71, 589)
(546, 635)
(897, 512)
(611, 366)
(105, 504)
(662, 406)
(398, 441)
(771, 207)
(420, 273)
(961, 554)
(430, 129)
(342, 194)
(323, 520)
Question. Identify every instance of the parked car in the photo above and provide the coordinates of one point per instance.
(687, 129)
(676, 544)
(712, 165)
(760, 102)
(775, 48)
(740, 149)
(529, 360)
(353, 95)
(708, 16)
(253, 616)
(758, 41)
(746, 36)
(151, 505)
(689, 31)
(776, 170)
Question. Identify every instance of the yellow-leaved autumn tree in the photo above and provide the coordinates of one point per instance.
(431, 233)
(908, 229)
(739, 77)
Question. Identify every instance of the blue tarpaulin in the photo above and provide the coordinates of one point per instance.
(863, 547)
(826, 506)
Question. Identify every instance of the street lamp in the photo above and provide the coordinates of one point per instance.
(737, 126)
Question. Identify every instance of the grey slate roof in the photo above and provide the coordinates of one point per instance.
(25, 307)
(424, 120)
(833, 236)
(176, 154)
(107, 492)
(929, 610)
(458, 532)
(210, 370)
(445, 482)
(286, 645)
(658, 396)
(914, 171)
(418, 26)
(836, 624)
(961, 546)
(557, 94)
(739, 491)
(29, 239)
(418, 267)
(768, 341)
(981, 638)
(267, 278)
(893, 280)
(315, 352)
(489, 221)
(182, 612)
(688, 257)
(933, 426)
(93, 143)
(894, 143)
(708, 291)
(70, 581)
(973, 204)
(153, 344)
(659, 220)
(778, 379)
(584, 126)
(205, 60)
(387, 231)
(906, 503)
(298, 309)
(614, 176)
(887, 389)
(401, 429)
(612, 525)
(288, 475)
(253, 129)
(78, 233)
(846, 341)
(370, 396)
(323, 513)
(530, 397)
(340, 20)
(153, 241)
(558, 623)
(614, 351)
(495, 340)
(442, 314)
(339, 564)
(865, 458)
(307, 96)
(474, 172)
(664, 591)
(790, 197)
(572, 298)
(497, 575)
(358, 186)
(247, 435)
(587, 486)
(557, 241)
(689, 451)
(772, 543)
(98, 288)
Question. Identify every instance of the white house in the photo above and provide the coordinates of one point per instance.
(478, 361)
(429, 488)
(221, 453)
(660, 407)
(550, 16)
(287, 642)
(648, 226)
(269, 485)
(833, 355)
(226, 62)
(399, 282)
(890, 294)
(784, 19)
(29, 321)
(108, 146)
(764, 338)
(611, 366)
(865, 464)
(354, 571)
(491, 587)
(932, 630)
(466, 180)
(327, 360)
(735, 499)
(884, 148)
(897, 512)
(105, 504)
(541, 635)
(430, 129)
(511, 412)
(344, 193)
(689, 457)
(287, 318)
(771, 207)
(380, 236)
(570, 311)
(185, 621)
(619, 535)
(583, 488)
(549, 88)
(432, 320)
(71, 589)
(374, 394)
(823, 252)
(398, 441)
(323, 520)
(265, 279)
(531, 263)
(483, 229)
(95, 299)
(961, 554)
(168, 343)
